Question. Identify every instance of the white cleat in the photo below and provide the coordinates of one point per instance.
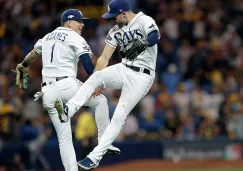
(62, 110)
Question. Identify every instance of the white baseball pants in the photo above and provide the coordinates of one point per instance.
(134, 86)
(65, 89)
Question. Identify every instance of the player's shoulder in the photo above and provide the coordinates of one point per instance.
(65, 30)
(48, 34)
(72, 35)
(142, 17)
(114, 29)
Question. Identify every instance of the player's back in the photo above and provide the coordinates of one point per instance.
(58, 52)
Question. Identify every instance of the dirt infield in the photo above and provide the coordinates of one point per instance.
(160, 164)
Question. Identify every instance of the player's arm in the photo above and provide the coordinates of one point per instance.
(87, 63)
(102, 63)
(30, 57)
(103, 60)
(153, 38)
(22, 75)
(151, 29)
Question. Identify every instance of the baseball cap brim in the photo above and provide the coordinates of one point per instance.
(80, 19)
(84, 18)
(77, 19)
(109, 15)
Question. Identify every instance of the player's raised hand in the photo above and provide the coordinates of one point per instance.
(97, 92)
(20, 67)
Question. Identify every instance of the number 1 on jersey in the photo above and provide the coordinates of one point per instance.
(52, 50)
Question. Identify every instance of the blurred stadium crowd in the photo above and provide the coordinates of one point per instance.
(198, 89)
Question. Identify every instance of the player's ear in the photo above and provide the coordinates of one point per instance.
(124, 14)
(69, 23)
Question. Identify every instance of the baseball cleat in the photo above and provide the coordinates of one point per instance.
(87, 164)
(62, 110)
(112, 150)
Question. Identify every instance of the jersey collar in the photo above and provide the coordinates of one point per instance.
(135, 18)
(63, 28)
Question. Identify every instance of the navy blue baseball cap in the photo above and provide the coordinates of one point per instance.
(116, 7)
(72, 14)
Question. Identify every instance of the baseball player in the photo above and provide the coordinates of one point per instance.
(61, 50)
(134, 76)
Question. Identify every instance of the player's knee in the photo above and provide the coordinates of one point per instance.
(48, 101)
(98, 100)
(102, 99)
(48, 106)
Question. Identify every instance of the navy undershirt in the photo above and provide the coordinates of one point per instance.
(153, 38)
(87, 63)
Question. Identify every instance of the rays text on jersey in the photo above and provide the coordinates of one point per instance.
(124, 37)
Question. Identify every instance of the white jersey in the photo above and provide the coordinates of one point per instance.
(60, 50)
(138, 28)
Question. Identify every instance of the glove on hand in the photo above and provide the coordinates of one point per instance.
(133, 49)
(22, 78)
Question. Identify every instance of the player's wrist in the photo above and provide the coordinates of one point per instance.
(25, 64)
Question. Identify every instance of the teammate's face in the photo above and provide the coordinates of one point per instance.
(120, 19)
(76, 26)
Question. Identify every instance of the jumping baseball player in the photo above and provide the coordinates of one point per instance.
(137, 35)
(61, 50)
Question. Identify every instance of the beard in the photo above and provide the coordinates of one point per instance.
(120, 25)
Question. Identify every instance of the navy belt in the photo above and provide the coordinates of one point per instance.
(137, 69)
(57, 79)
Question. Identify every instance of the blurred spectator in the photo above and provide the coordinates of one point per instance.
(171, 78)
(233, 111)
(187, 130)
(130, 129)
(149, 122)
(171, 124)
(32, 110)
(85, 131)
(16, 164)
(182, 99)
(206, 127)
(29, 131)
(85, 126)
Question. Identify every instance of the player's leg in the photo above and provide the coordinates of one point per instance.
(130, 96)
(100, 104)
(64, 133)
(102, 119)
(109, 77)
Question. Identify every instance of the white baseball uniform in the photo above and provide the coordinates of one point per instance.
(60, 50)
(134, 85)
